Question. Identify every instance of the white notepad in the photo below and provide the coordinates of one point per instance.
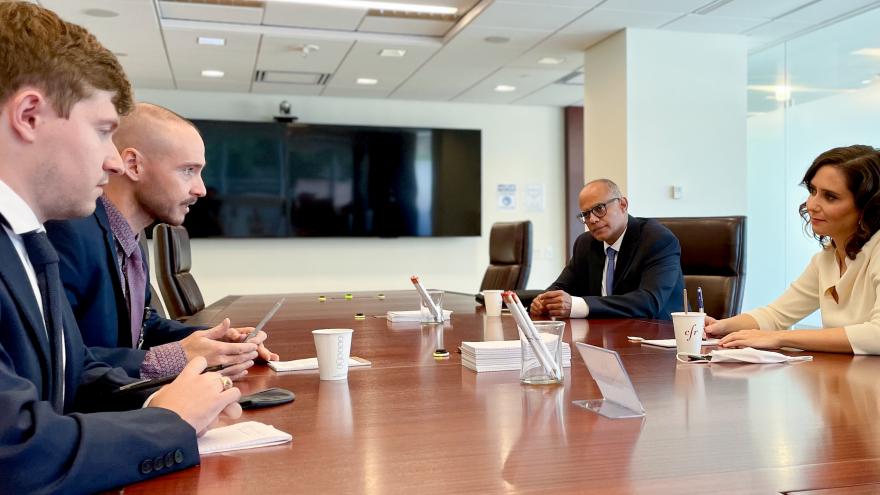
(312, 364)
(413, 315)
(246, 435)
(670, 343)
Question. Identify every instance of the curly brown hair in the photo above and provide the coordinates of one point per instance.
(860, 165)
(63, 60)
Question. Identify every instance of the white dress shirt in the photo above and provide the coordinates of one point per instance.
(579, 306)
(22, 219)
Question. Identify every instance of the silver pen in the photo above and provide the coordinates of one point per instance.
(265, 319)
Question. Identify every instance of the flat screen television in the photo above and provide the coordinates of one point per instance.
(304, 180)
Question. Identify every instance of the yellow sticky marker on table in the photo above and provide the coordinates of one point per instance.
(359, 316)
(441, 353)
(381, 296)
(348, 296)
(322, 298)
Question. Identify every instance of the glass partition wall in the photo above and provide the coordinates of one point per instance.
(812, 93)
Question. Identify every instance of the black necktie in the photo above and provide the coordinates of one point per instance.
(45, 261)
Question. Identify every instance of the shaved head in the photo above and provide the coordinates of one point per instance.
(162, 158)
(149, 129)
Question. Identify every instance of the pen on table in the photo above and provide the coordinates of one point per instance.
(147, 383)
(265, 319)
(700, 299)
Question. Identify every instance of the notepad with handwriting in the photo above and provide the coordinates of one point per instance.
(246, 435)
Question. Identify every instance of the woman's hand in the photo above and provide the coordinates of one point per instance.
(752, 338)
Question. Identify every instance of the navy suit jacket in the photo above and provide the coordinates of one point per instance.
(91, 279)
(42, 451)
(648, 281)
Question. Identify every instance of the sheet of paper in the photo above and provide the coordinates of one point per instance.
(670, 343)
(246, 435)
(312, 364)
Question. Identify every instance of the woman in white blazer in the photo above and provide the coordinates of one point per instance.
(842, 280)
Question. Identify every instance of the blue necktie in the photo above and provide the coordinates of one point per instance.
(44, 258)
(610, 253)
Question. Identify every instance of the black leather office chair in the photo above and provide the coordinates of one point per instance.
(173, 263)
(510, 256)
(155, 301)
(713, 256)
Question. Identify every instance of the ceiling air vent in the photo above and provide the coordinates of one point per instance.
(287, 77)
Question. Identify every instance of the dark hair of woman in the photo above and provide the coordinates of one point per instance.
(860, 165)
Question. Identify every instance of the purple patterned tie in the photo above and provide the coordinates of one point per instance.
(137, 284)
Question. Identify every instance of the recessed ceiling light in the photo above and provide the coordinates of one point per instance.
(367, 81)
(505, 88)
(782, 93)
(212, 73)
(551, 60)
(100, 13)
(873, 52)
(496, 39)
(392, 52)
(866, 81)
(207, 40)
(371, 5)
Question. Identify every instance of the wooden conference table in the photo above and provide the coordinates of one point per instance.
(414, 424)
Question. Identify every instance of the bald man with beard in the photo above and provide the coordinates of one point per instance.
(105, 273)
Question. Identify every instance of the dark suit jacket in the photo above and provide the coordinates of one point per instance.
(92, 282)
(42, 451)
(648, 282)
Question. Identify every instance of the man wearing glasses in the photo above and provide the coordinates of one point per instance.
(622, 267)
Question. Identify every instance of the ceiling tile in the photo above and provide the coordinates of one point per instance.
(775, 30)
(356, 92)
(524, 80)
(555, 95)
(757, 8)
(671, 6)
(527, 16)
(826, 9)
(144, 57)
(585, 4)
(286, 54)
(204, 84)
(364, 61)
(467, 59)
(209, 12)
(570, 47)
(311, 16)
(286, 89)
(600, 23)
(713, 24)
(424, 27)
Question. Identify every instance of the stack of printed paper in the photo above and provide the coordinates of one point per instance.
(503, 355)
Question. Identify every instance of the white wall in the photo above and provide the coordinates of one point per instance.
(667, 108)
(687, 122)
(521, 145)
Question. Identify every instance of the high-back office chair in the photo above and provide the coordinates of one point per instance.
(713, 256)
(510, 256)
(155, 302)
(173, 263)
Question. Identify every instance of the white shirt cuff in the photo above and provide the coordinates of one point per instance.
(579, 307)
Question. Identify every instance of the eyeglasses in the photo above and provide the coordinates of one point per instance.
(599, 211)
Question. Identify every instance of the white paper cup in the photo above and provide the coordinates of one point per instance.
(689, 331)
(334, 347)
(492, 301)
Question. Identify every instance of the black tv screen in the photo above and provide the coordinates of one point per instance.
(302, 180)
